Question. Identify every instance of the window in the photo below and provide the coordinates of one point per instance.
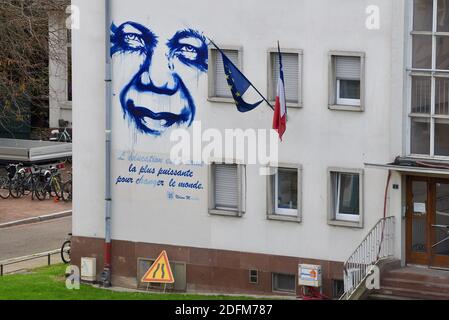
(346, 195)
(429, 79)
(338, 288)
(292, 66)
(227, 192)
(284, 282)
(218, 86)
(346, 82)
(284, 187)
(253, 276)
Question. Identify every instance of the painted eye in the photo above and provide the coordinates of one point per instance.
(134, 40)
(189, 52)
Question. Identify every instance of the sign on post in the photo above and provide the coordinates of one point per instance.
(160, 271)
(309, 275)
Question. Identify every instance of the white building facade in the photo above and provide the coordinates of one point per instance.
(366, 83)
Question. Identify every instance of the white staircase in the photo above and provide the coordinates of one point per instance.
(376, 246)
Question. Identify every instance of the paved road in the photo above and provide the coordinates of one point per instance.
(33, 238)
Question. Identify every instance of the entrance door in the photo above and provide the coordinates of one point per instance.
(440, 225)
(427, 221)
(417, 220)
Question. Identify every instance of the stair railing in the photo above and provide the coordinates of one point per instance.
(377, 245)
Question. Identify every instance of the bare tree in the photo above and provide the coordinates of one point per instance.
(24, 59)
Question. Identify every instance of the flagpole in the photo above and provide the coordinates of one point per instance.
(269, 104)
(280, 59)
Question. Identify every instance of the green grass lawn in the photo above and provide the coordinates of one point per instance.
(49, 284)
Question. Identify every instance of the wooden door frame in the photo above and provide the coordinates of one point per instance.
(436, 260)
(427, 258)
(416, 257)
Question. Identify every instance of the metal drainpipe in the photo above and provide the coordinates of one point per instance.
(106, 274)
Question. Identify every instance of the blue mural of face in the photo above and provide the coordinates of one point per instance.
(157, 96)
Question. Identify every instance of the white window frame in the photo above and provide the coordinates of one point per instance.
(432, 73)
(271, 86)
(334, 217)
(211, 71)
(335, 102)
(241, 192)
(274, 212)
(345, 101)
(338, 214)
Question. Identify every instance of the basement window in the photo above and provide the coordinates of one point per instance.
(253, 276)
(338, 288)
(284, 283)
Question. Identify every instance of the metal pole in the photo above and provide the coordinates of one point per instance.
(106, 274)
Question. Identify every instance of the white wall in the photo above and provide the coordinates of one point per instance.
(317, 138)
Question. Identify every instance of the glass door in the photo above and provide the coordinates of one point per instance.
(417, 218)
(440, 225)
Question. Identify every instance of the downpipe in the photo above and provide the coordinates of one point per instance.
(107, 269)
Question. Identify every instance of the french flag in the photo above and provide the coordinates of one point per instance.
(280, 108)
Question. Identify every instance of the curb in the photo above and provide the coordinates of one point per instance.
(36, 219)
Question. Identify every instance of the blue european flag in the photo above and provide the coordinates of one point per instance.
(238, 84)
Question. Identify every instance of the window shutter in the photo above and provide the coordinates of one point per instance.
(348, 68)
(290, 62)
(221, 85)
(226, 186)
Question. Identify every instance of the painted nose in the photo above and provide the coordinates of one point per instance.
(159, 76)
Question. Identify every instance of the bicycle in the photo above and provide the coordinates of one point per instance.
(21, 184)
(50, 184)
(67, 190)
(10, 181)
(4, 187)
(58, 136)
(65, 249)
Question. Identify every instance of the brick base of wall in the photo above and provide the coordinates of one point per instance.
(207, 270)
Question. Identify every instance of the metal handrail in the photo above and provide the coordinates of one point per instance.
(377, 245)
(28, 258)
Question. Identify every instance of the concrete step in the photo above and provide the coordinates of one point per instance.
(410, 293)
(428, 286)
(378, 296)
(419, 274)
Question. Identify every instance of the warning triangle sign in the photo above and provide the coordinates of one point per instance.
(160, 271)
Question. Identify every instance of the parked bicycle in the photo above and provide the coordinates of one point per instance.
(65, 249)
(49, 184)
(18, 184)
(4, 187)
(60, 136)
(9, 181)
(67, 189)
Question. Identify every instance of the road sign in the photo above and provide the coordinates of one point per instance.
(160, 271)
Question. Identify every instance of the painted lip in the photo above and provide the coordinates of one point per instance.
(167, 119)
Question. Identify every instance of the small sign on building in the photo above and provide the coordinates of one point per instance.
(309, 275)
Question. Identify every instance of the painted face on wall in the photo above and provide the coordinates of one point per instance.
(161, 73)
